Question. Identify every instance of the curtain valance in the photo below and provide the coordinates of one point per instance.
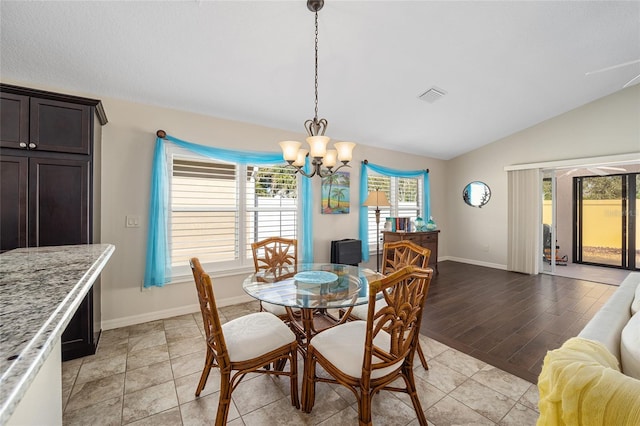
(158, 258)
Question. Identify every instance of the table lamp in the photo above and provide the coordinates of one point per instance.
(377, 199)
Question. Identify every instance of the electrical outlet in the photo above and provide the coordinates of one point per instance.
(132, 222)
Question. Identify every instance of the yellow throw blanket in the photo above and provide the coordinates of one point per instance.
(581, 384)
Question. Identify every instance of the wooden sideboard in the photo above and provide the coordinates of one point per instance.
(427, 239)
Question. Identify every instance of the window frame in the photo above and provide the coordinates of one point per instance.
(394, 209)
(243, 263)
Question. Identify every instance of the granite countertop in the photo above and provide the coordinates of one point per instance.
(40, 290)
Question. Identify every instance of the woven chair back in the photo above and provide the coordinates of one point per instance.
(398, 254)
(276, 255)
(210, 317)
(405, 292)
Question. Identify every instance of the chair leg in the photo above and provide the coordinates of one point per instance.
(205, 372)
(423, 360)
(364, 408)
(308, 385)
(411, 389)
(279, 364)
(295, 401)
(225, 398)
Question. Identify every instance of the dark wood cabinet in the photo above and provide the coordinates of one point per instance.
(59, 199)
(45, 201)
(14, 191)
(428, 239)
(42, 124)
(14, 120)
(81, 336)
(58, 126)
(46, 164)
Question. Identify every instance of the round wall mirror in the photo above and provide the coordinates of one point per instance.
(476, 194)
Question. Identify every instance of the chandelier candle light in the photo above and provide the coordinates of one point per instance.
(377, 199)
(318, 151)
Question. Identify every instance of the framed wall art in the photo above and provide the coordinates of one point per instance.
(335, 193)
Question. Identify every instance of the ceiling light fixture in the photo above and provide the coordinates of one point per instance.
(291, 151)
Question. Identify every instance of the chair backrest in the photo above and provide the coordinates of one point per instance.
(398, 254)
(276, 255)
(405, 292)
(210, 317)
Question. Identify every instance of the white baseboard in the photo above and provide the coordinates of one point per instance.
(168, 313)
(473, 262)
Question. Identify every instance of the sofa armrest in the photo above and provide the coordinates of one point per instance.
(607, 324)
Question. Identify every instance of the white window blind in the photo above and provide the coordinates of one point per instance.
(215, 215)
(204, 217)
(380, 183)
(405, 193)
(271, 204)
(405, 197)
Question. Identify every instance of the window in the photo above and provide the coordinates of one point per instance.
(404, 196)
(218, 209)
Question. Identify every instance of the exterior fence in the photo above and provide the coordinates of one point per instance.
(601, 222)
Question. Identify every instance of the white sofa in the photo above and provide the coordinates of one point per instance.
(594, 379)
(607, 324)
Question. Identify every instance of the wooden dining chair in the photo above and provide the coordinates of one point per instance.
(248, 344)
(368, 356)
(277, 257)
(396, 255)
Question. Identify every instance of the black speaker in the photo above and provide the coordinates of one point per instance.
(347, 251)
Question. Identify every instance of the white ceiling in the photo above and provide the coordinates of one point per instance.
(506, 65)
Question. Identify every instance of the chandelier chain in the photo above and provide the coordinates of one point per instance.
(316, 80)
(319, 155)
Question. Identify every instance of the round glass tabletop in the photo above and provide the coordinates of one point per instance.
(316, 285)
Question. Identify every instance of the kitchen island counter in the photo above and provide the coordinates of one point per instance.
(40, 290)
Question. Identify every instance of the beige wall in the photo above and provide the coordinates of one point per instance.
(607, 126)
(128, 142)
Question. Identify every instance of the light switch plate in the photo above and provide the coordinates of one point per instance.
(132, 222)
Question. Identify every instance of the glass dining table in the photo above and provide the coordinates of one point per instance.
(316, 296)
(313, 294)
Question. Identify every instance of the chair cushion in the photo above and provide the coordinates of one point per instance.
(274, 309)
(343, 346)
(630, 347)
(254, 335)
(361, 311)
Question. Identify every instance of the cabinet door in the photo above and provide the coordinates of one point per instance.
(59, 202)
(430, 241)
(14, 121)
(13, 204)
(60, 126)
(77, 339)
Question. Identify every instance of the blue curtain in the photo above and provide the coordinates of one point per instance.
(386, 171)
(158, 265)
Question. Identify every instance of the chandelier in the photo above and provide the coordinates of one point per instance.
(320, 155)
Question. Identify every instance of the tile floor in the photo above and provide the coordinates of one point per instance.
(597, 274)
(146, 374)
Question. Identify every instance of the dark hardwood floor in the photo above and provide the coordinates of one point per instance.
(507, 319)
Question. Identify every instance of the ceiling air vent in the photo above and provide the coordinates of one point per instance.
(432, 95)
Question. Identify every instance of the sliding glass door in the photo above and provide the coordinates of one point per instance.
(605, 220)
